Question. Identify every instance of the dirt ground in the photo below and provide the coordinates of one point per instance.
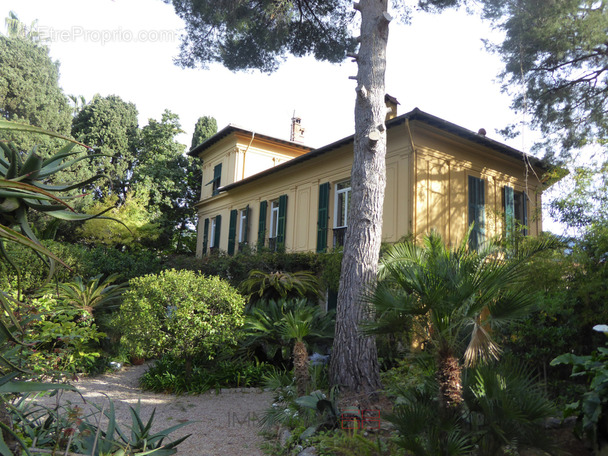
(224, 424)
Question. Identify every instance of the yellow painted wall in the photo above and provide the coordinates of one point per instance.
(243, 155)
(425, 189)
(443, 164)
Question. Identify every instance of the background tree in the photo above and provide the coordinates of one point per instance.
(556, 69)
(161, 171)
(29, 87)
(109, 125)
(247, 35)
(17, 29)
(137, 225)
(204, 129)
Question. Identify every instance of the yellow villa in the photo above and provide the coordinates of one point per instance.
(263, 191)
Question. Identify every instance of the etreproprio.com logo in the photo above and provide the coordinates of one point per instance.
(77, 33)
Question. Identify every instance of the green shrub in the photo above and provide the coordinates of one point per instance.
(58, 338)
(180, 313)
(236, 268)
(167, 375)
(591, 407)
(503, 405)
(107, 261)
(33, 271)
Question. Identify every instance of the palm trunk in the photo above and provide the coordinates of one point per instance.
(354, 361)
(449, 377)
(300, 367)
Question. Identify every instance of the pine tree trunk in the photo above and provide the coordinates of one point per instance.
(300, 367)
(354, 361)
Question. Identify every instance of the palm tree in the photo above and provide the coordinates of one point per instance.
(281, 285)
(451, 298)
(298, 325)
(94, 295)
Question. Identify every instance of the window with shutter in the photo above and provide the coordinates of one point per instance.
(341, 208)
(218, 230)
(477, 213)
(516, 212)
(282, 221)
(205, 235)
(217, 179)
(244, 226)
(262, 224)
(509, 213)
(323, 217)
(232, 232)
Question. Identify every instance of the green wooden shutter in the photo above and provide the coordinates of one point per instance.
(281, 220)
(205, 236)
(246, 227)
(218, 230)
(232, 231)
(262, 224)
(217, 178)
(476, 211)
(524, 208)
(323, 217)
(509, 212)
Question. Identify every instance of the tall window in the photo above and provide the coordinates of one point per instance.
(274, 219)
(477, 211)
(342, 204)
(212, 233)
(516, 212)
(243, 225)
(341, 208)
(276, 235)
(217, 179)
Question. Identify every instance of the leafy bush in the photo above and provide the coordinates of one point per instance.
(592, 406)
(57, 338)
(33, 271)
(107, 261)
(167, 375)
(280, 285)
(236, 268)
(503, 405)
(181, 313)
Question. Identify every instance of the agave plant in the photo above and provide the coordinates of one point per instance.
(24, 187)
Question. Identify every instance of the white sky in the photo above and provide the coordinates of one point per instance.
(126, 48)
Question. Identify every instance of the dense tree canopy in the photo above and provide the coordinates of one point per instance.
(205, 128)
(556, 69)
(161, 172)
(29, 86)
(109, 125)
(246, 35)
(557, 52)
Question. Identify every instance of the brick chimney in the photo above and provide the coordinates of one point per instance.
(297, 131)
(391, 107)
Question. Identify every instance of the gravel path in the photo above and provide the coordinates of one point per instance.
(226, 423)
